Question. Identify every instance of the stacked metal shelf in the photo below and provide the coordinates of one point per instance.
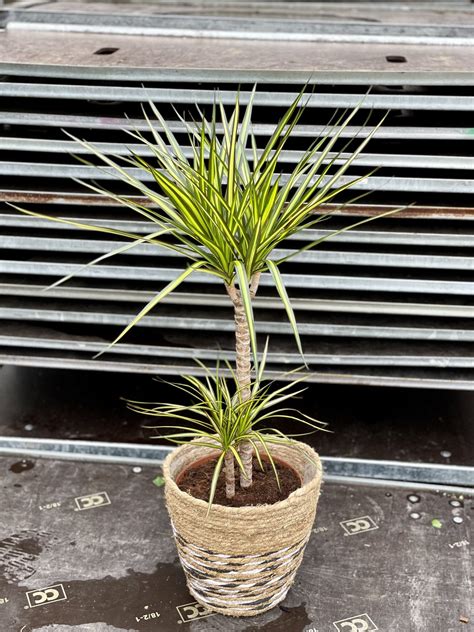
(389, 303)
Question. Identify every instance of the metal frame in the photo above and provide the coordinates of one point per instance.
(308, 25)
(313, 281)
(264, 302)
(366, 159)
(271, 99)
(452, 478)
(462, 380)
(259, 129)
(327, 257)
(393, 78)
(338, 355)
(370, 183)
(218, 323)
(377, 237)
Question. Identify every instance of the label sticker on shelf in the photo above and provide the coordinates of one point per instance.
(92, 501)
(358, 525)
(359, 623)
(193, 611)
(45, 596)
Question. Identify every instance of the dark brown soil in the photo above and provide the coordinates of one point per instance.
(196, 481)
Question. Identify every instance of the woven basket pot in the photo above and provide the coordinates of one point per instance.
(241, 561)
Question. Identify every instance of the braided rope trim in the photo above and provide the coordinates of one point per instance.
(239, 584)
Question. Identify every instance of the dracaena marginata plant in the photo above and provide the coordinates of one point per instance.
(220, 418)
(223, 205)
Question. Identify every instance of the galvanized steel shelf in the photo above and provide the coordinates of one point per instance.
(403, 286)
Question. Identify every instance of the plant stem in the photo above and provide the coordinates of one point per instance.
(229, 471)
(254, 281)
(242, 350)
(243, 368)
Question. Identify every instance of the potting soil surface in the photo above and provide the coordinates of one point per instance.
(88, 547)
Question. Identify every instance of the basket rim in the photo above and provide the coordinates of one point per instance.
(250, 509)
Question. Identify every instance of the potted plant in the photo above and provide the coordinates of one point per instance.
(226, 208)
(240, 548)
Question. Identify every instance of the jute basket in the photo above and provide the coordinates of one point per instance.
(241, 561)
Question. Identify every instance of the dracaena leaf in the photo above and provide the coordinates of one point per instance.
(159, 297)
(280, 286)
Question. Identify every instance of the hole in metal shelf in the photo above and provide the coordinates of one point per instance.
(396, 59)
(106, 51)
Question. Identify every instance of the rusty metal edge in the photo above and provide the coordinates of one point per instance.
(366, 210)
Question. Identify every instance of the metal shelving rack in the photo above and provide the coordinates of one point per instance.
(389, 304)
